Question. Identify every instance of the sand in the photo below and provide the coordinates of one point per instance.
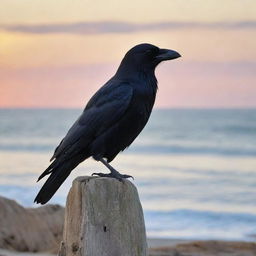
(165, 247)
(176, 247)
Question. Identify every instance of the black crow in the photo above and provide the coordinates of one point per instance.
(111, 120)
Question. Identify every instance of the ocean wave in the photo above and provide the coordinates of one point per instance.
(144, 149)
(243, 130)
(203, 216)
(186, 223)
(26, 147)
(179, 149)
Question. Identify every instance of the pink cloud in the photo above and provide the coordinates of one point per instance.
(103, 27)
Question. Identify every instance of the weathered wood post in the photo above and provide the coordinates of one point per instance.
(103, 217)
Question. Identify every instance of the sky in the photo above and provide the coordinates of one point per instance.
(58, 53)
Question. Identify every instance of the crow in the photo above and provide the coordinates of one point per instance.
(111, 120)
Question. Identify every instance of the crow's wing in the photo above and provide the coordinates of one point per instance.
(103, 110)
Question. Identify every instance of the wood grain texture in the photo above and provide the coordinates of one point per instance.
(103, 217)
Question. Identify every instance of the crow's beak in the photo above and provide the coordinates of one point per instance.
(165, 54)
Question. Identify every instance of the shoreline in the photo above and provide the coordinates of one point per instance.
(158, 241)
(191, 247)
(161, 242)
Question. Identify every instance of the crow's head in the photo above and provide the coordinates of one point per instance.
(146, 57)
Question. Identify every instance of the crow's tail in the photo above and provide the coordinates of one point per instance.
(59, 173)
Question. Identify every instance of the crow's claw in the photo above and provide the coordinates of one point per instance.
(125, 176)
(102, 174)
(117, 175)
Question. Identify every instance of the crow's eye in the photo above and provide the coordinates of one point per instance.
(152, 51)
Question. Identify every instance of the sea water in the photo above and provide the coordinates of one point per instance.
(195, 170)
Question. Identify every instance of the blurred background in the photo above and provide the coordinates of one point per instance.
(194, 164)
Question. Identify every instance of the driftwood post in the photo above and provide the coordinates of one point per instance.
(103, 218)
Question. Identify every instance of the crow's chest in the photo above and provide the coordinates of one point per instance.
(143, 101)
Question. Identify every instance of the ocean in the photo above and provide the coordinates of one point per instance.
(195, 169)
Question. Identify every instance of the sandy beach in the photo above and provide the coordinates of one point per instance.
(171, 247)
(177, 247)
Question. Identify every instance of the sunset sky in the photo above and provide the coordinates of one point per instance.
(57, 53)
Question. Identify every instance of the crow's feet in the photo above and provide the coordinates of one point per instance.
(115, 175)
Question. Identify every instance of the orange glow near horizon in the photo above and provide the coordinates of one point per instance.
(25, 50)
